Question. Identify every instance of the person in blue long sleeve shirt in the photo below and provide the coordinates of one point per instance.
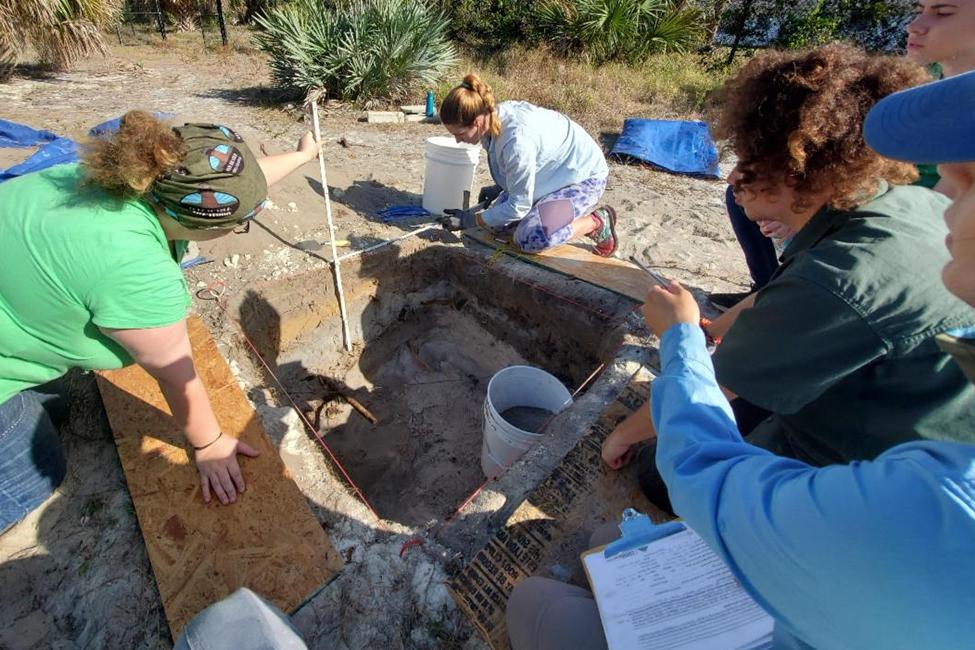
(867, 554)
(550, 173)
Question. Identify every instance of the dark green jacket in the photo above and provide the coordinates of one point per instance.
(840, 345)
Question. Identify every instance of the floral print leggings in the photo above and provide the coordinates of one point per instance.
(549, 222)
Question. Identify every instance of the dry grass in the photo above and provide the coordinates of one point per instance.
(665, 86)
(673, 86)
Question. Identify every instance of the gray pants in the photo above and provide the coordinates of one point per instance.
(547, 614)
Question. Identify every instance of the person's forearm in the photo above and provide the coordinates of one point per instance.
(719, 326)
(503, 213)
(191, 408)
(946, 187)
(637, 427)
(804, 541)
(277, 166)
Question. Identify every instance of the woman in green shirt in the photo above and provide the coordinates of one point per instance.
(90, 279)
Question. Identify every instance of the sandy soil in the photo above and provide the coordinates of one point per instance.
(75, 572)
(419, 462)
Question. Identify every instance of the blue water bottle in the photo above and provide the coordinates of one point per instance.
(430, 109)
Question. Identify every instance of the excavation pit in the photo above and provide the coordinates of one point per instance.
(431, 324)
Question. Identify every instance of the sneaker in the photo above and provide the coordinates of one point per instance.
(605, 234)
(725, 301)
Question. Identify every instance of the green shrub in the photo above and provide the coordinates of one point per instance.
(811, 29)
(873, 24)
(619, 30)
(183, 15)
(357, 50)
(599, 97)
(244, 11)
(489, 25)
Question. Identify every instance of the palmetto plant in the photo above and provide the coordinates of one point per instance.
(60, 31)
(184, 14)
(628, 30)
(356, 50)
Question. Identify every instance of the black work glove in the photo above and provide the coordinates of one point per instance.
(488, 194)
(455, 219)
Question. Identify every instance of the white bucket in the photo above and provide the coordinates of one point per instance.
(504, 443)
(449, 173)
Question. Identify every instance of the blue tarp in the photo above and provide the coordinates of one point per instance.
(59, 152)
(56, 151)
(676, 146)
(21, 135)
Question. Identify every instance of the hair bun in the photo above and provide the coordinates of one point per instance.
(483, 90)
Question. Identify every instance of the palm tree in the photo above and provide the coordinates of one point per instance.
(60, 31)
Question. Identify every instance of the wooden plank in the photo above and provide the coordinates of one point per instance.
(268, 541)
(575, 261)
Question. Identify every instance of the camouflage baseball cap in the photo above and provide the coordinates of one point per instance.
(217, 186)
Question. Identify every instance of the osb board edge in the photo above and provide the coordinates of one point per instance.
(295, 557)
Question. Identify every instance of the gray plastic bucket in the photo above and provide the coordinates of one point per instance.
(504, 443)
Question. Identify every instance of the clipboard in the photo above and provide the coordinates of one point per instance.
(638, 531)
(653, 566)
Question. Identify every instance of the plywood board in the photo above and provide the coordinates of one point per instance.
(541, 524)
(269, 541)
(577, 262)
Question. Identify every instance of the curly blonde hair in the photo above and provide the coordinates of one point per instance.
(798, 116)
(127, 163)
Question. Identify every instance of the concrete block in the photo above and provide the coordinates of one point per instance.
(385, 117)
(414, 109)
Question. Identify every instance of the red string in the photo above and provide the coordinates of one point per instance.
(416, 541)
(308, 425)
(598, 312)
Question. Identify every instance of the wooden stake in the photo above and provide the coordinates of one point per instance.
(334, 387)
(336, 267)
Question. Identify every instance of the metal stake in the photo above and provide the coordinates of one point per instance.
(223, 25)
(160, 21)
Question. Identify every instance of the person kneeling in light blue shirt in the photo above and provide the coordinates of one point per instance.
(877, 554)
(549, 172)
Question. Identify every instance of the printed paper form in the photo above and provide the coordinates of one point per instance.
(675, 593)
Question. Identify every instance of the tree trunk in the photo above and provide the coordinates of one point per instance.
(746, 10)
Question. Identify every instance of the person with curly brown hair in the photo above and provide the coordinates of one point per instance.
(837, 353)
(90, 279)
(939, 37)
(870, 554)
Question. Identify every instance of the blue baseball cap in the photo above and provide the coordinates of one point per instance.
(929, 124)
